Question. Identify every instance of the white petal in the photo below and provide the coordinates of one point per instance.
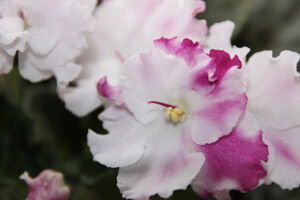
(41, 40)
(32, 73)
(176, 18)
(121, 147)
(79, 106)
(84, 97)
(6, 62)
(12, 36)
(66, 73)
(273, 89)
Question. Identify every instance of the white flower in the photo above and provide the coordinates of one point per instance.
(182, 111)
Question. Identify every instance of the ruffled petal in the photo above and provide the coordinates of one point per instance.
(224, 100)
(189, 51)
(39, 40)
(165, 166)
(220, 38)
(120, 147)
(273, 88)
(234, 161)
(72, 96)
(113, 93)
(12, 36)
(66, 73)
(30, 72)
(6, 62)
(176, 18)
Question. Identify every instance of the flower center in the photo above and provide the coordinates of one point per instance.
(176, 115)
(173, 113)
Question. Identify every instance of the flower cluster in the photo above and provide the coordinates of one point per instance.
(48, 36)
(181, 104)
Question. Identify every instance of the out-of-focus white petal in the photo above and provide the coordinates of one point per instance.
(175, 18)
(6, 62)
(79, 106)
(57, 32)
(12, 39)
(12, 36)
(273, 89)
(32, 73)
(41, 40)
(86, 86)
(65, 74)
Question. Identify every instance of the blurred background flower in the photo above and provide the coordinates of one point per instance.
(37, 132)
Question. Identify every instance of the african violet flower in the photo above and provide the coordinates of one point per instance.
(180, 118)
(273, 90)
(49, 185)
(126, 27)
(56, 33)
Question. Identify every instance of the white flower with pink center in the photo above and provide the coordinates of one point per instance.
(179, 117)
(274, 95)
(126, 27)
(49, 185)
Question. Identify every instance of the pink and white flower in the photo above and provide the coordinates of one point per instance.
(56, 34)
(126, 27)
(274, 96)
(49, 185)
(182, 120)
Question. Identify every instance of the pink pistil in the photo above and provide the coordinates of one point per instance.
(163, 104)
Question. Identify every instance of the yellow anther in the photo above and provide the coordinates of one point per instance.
(168, 114)
(178, 111)
(175, 115)
(169, 109)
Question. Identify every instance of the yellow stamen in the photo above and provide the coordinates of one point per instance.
(175, 114)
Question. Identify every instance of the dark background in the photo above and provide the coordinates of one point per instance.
(37, 132)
